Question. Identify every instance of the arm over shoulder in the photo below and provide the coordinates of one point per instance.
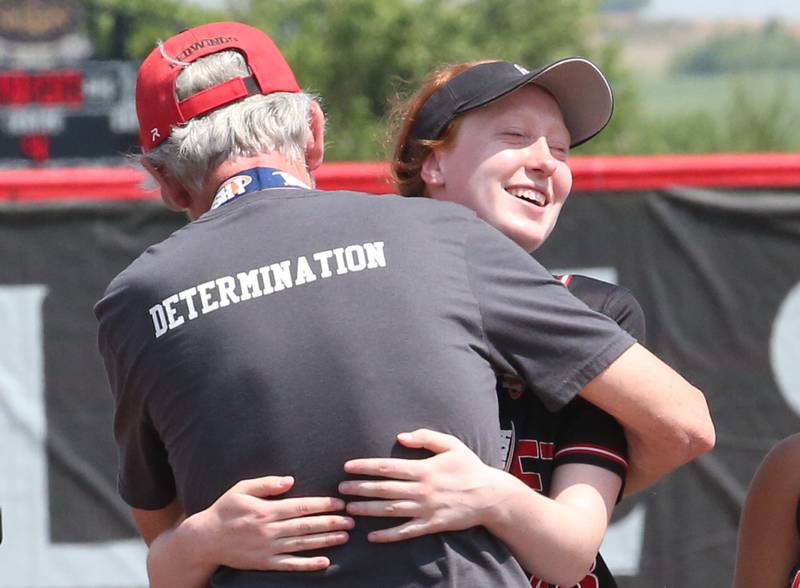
(532, 324)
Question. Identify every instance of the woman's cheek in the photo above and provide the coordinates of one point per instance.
(562, 183)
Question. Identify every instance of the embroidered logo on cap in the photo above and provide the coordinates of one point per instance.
(197, 45)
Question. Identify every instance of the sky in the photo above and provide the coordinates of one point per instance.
(725, 9)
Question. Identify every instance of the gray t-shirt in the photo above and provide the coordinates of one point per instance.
(291, 330)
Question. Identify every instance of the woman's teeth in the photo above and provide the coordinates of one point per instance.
(530, 195)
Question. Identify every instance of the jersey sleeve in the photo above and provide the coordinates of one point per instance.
(616, 302)
(623, 307)
(590, 436)
(144, 477)
(532, 325)
(587, 434)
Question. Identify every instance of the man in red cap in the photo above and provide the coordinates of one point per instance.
(286, 330)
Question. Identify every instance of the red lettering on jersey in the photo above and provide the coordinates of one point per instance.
(796, 581)
(590, 581)
(526, 450)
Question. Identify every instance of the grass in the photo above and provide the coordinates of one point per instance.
(714, 94)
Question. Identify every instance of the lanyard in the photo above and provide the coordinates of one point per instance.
(253, 180)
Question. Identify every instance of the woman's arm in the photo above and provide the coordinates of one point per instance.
(245, 529)
(556, 539)
(570, 524)
(768, 545)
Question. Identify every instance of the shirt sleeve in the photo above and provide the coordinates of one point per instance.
(144, 476)
(532, 325)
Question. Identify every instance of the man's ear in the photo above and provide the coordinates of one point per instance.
(315, 147)
(431, 171)
(174, 195)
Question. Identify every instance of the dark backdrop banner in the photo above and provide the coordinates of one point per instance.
(717, 273)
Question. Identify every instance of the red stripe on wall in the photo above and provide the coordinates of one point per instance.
(722, 170)
(591, 174)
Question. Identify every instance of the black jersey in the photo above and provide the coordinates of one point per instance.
(536, 441)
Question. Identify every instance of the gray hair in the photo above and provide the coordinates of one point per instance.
(258, 124)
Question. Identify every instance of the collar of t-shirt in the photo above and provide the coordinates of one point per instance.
(253, 180)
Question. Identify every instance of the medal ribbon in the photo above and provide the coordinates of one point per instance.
(253, 180)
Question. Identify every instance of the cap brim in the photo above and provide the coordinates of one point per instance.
(582, 93)
(577, 85)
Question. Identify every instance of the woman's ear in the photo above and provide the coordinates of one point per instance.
(315, 147)
(431, 171)
(174, 195)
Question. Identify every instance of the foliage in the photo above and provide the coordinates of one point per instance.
(121, 29)
(759, 124)
(360, 54)
(753, 120)
(769, 47)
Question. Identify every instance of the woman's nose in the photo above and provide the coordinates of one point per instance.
(540, 159)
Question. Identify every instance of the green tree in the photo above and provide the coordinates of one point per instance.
(121, 29)
(360, 54)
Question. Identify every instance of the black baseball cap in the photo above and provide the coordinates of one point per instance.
(578, 85)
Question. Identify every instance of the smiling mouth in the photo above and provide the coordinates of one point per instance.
(532, 196)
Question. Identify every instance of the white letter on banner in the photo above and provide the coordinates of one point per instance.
(27, 558)
(785, 348)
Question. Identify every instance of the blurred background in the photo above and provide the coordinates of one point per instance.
(690, 77)
(690, 198)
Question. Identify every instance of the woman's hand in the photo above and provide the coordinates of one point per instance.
(451, 491)
(555, 539)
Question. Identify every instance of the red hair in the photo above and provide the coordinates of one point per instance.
(409, 154)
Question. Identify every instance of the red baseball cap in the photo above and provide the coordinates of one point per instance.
(157, 104)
